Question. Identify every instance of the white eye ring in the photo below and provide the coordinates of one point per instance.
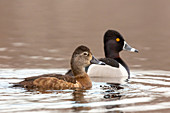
(85, 53)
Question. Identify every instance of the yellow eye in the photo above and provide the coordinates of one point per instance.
(117, 39)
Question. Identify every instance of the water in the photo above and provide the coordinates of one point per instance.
(38, 37)
(146, 91)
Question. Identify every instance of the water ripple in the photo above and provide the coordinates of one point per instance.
(146, 91)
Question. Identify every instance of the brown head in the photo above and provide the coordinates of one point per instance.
(81, 58)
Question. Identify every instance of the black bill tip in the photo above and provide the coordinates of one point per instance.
(136, 51)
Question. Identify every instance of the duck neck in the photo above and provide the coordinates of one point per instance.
(110, 53)
(77, 70)
(123, 64)
(81, 76)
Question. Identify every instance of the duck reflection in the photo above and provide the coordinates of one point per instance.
(79, 98)
(110, 93)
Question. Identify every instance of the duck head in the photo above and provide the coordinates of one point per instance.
(114, 43)
(81, 58)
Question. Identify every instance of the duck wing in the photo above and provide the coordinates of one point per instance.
(110, 62)
(29, 82)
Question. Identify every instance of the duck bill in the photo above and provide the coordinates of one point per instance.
(129, 48)
(96, 61)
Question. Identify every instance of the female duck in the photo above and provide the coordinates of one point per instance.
(116, 67)
(81, 58)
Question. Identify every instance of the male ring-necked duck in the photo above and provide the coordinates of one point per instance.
(81, 58)
(116, 67)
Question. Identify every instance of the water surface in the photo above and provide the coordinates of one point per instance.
(146, 91)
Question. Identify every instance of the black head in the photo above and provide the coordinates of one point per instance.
(113, 35)
(113, 42)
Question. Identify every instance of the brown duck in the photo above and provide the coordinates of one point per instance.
(81, 58)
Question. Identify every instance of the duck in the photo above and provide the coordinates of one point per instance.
(81, 58)
(114, 43)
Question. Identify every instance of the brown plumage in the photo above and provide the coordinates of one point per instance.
(28, 82)
(81, 58)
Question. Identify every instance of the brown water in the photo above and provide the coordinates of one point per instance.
(38, 37)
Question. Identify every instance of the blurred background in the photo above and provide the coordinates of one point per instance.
(44, 33)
